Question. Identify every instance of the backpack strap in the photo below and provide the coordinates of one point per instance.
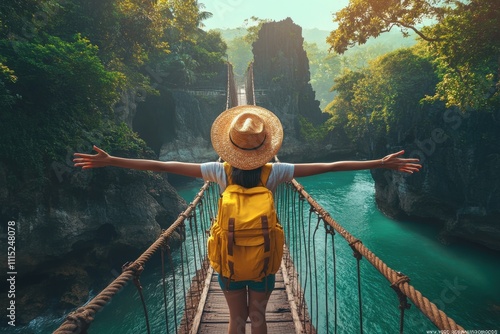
(230, 246)
(267, 242)
(265, 172)
(227, 171)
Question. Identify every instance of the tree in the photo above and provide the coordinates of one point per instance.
(468, 56)
(6, 76)
(253, 27)
(363, 19)
(463, 39)
(384, 99)
(240, 54)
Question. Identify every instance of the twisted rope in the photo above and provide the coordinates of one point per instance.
(79, 320)
(252, 84)
(429, 309)
(228, 85)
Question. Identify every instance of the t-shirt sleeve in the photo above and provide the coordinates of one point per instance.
(214, 172)
(280, 173)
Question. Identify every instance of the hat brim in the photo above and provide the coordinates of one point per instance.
(245, 159)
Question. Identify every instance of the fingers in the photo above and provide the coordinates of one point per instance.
(397, 154)
(83, 155)
(87, 161)
(409, 168)
(88, 164)
(97, 149)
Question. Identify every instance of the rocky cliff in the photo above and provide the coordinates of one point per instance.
(459, 185)
(72, 233)
(180, 130)
(282, 85)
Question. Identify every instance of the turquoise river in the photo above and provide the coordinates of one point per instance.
(461, 278)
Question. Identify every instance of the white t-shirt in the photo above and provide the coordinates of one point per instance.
(214, 172)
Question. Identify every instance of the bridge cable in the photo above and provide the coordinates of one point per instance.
(358, 257)
(403, 301)
(163, 280)
(438, 317)
(183, 275)
(330, 231)
(315, 272)
(137, 272)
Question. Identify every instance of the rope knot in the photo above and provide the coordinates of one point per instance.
(81, 318)
(356, 253)
(134, 267)
(329, 229)
(402, 278)
(403, 301)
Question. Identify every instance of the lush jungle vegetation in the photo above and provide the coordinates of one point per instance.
(64, 65)
(457, 61)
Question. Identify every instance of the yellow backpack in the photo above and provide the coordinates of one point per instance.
(246, 239)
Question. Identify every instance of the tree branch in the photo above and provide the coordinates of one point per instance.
(418, 32)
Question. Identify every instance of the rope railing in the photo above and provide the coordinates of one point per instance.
(250, 85)
(80, 320)
(303, 258)
(232, 94)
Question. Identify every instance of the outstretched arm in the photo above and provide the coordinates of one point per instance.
(391, 161)
(103, 159)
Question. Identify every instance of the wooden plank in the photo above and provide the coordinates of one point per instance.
(275, 328)
(215, 316)
(279, 312)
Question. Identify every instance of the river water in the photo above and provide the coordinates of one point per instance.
(462, 279)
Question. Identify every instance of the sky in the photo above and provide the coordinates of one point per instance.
(306, 13)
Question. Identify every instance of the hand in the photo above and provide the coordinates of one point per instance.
(86, 161)
(407, 165)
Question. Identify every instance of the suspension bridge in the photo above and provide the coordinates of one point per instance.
(306, 272)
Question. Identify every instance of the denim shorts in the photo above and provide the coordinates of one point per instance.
(267, 284)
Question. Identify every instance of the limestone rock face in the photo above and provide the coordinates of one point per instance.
(74, 233)
(458, 187)
(193, 116)
(281, 80)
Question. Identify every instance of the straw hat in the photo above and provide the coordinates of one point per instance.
(247, 137)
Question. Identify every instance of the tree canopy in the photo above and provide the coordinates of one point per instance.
(64, 63)
(461, 36)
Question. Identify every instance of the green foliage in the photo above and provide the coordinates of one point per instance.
(467, 56)
(363, 19)
(345, 116)
(69, 76)
(312, 134)
(63, 65)
(464, 42)
(240, 54)
(253, 27)
(121, 140)
(6, 76)
(209, 52)
(385, 98)
(62, 88)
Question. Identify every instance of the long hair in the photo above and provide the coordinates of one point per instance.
(246, 178)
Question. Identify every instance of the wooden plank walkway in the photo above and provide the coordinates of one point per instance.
(215, 317)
